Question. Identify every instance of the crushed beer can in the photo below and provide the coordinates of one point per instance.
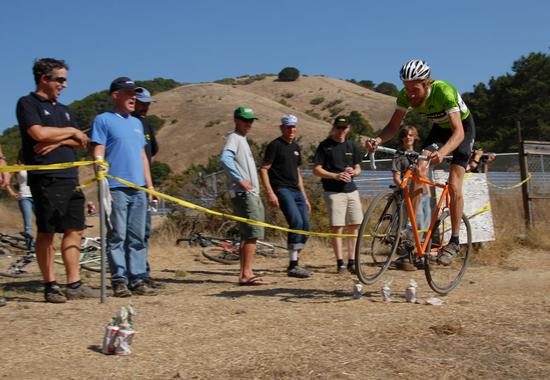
(357, 291)
(123, 342)
(109, 339)
(410, 292)
(386, 291)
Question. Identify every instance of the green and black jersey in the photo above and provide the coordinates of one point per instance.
(442, 100)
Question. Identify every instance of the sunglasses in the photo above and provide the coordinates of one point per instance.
(59, 80)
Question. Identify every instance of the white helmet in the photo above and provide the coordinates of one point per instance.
(414, 70)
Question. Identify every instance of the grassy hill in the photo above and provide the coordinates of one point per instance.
(198, 116)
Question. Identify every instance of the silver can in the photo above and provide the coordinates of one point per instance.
(410, 294)
(124, 340)
(386, 293)
(357, 291)
(109, 339)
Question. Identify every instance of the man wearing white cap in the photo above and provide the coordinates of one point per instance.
(282, 180)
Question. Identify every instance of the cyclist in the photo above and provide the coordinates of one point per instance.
(453, 132)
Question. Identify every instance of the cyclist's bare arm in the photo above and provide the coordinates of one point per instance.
(389, 130)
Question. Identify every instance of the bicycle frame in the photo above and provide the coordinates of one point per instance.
(445, 197)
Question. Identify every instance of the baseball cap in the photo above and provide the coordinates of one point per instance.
(245, 112)
(144, 96)
(123, 83)
(289, 120)
(341, 120)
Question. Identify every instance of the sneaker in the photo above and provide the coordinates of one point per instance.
(83, 291)
(2, 301)
(298, 272)
(351, 268)
(141, 289)
(121, 290)
(341, 269)
(153, 283)
(447, 254)
(404, 263)
(419, 263)
(55, 295)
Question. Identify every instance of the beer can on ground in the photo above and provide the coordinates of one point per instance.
(357, 291)
(124, 342)
(410, 294)
(109, 339)
(386, 293)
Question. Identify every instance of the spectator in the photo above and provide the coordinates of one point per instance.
(337, 162)
(282, 180)
(25, 202)
(4, 180)
(49, 136)
(244, 189)
(479, 161)
(143, 100)
(118, 136)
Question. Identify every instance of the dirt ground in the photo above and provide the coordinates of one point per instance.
(496, 324)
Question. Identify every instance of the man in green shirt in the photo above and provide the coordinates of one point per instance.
(453, 132)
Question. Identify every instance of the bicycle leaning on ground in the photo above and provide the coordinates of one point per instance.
(382, 232)
(224, 250)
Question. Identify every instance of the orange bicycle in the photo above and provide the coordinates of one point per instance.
(382, 232)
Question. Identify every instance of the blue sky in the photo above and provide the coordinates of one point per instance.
(465, 42)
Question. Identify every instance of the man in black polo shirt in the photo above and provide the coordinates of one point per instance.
(337, 161)
(49, 136)
(282, 180)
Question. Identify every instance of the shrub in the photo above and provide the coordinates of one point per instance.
(287, 95)
(314, 114)
(316, 101)
(289, 74)
(284, 103)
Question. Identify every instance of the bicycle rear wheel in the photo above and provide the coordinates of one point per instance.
(442, 279)
(90, 259)
(378, 237)
(267, 249)
(221, 255)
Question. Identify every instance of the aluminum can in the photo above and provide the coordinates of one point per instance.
(124, 340)
(357, 291)
(109, 339)
(410, 294)
(386, 293)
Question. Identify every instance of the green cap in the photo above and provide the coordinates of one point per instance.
(245, 112)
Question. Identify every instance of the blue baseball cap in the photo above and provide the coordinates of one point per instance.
(144, 96)
(289, 120)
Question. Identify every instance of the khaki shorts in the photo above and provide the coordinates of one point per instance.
(344, 209)
(249, 206)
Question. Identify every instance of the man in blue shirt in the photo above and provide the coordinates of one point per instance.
(118, 136)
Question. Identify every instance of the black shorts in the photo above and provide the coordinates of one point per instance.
(438, 137)
(58, 204)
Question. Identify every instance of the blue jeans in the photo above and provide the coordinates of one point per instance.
(126, 248)
(26, 205)
(146, 239)
(293, 205)
(424, 213)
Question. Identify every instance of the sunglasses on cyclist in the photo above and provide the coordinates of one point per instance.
(59, 80)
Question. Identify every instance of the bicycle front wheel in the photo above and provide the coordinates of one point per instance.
(221, 255)
(378, 237)
(442, 279)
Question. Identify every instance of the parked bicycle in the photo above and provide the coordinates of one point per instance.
(382, 233)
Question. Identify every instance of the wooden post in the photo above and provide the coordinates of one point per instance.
(523, 172)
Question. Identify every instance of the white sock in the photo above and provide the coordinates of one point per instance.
(293, 254)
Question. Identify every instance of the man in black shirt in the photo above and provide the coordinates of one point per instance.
(143, 101)
(49, 136)
(282, 180)
(337, 161)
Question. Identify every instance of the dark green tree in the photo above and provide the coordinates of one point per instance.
(387, 88)
(160, 171)
(289, 74)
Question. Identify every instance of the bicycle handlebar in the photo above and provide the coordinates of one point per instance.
(384, 149)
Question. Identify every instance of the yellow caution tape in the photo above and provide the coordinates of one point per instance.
(529, 175)
(65, 165)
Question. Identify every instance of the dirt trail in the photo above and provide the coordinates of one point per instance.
(496, 324)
